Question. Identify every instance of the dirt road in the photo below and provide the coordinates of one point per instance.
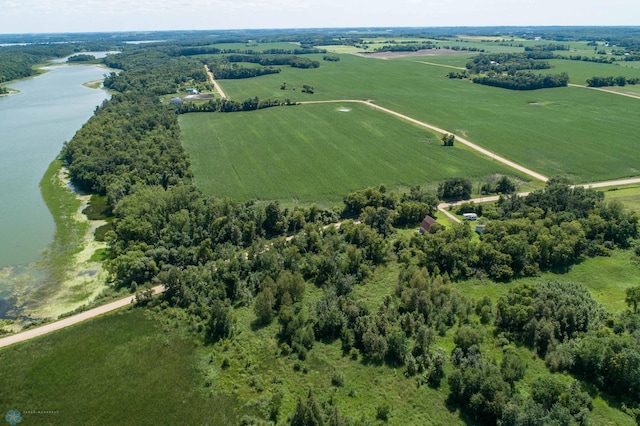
(66, 322)
(441, 65)
(215, 83)
(463, 141)
(629, 95)
(605, 184)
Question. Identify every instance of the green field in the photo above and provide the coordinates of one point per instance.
(607, 278)
(586, 135)
(318, 153)
(117, 369)
(133, 367)
(629, 195)
(580, 71)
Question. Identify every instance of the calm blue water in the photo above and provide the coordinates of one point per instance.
(34, 125)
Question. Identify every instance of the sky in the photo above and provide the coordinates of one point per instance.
(42, 16)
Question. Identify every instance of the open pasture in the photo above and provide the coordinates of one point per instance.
(121, 368)
(629, 195)
(586, 135)
(606, 277)
(318, 153)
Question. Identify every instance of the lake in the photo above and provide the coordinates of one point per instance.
(34, 125)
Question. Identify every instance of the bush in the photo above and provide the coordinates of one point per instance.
(382, 412)
(338, 379)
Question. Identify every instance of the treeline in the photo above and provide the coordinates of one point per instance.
(611, 81)
(406, 47)
(210, 50)
(131, 140)
(226, 105)
(239, 72)
(551, 47)
(17, 62)
(509, 62)
(270, 60)
(596, 59)
(523, 80)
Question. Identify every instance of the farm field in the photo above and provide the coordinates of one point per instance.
(319, 153)
(553, 131)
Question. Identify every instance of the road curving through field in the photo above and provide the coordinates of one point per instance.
(463, 141)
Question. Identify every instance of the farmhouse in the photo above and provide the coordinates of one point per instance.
(192, 91)
(427, 223)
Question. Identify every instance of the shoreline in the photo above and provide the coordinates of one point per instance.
(72, 279)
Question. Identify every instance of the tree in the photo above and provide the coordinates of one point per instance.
(633, 298)
(448, 139)
(512, 366)
(456, 187)
(221, 323)
(263, 306)
(307, 412)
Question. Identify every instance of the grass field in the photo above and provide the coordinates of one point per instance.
(318, 153)
(116, 369)
(606, 277)
(580, 71)
(561, 131)
(130, 367)
(629, 195)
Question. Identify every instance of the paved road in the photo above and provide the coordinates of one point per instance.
(66, 322)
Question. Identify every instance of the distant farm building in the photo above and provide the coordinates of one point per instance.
(469, 216)
(192, 91)
(427, 223)
(175, 101)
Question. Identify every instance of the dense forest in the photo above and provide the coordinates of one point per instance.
(18, 62)
(506, 70)
(215, 255)
(523, 80)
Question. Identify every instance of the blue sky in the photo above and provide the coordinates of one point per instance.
(25, 16)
